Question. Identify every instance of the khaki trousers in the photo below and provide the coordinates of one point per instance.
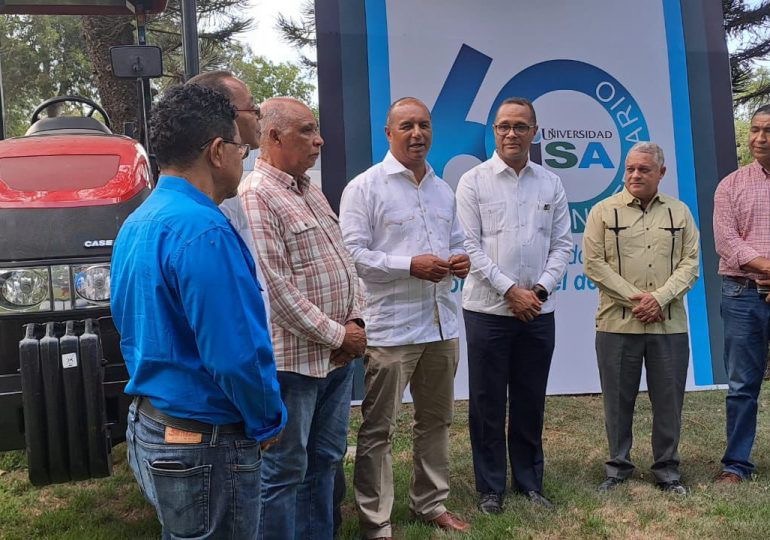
(429, 369)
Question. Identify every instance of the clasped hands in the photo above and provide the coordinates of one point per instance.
(432, 268)
(647, 310)
(523, 303)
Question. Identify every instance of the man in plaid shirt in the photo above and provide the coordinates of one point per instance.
(317, 327)
(742, 235)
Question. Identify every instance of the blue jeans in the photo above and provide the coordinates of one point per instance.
(746, 318)
(298, 472)
(205, 490)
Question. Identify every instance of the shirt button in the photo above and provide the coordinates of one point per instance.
(648, 247)
(649, 265)
(647, 229)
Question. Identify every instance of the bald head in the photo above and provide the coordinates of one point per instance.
(240, 97)
(401, 102)
(290, 138)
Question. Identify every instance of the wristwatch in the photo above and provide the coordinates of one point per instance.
(540, 292)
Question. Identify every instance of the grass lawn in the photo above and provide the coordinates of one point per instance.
(575, 448)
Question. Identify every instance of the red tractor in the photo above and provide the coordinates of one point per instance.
(66, 187)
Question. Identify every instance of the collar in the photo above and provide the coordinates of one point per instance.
(183, 186)
(392, 166)
(499, 166)
(629, 199)
(759, 166)
(297, 184)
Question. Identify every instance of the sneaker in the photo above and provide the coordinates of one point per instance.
(490, 503)
(610, 483)
(674, 486)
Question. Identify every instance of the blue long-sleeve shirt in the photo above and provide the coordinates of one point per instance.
(188, 308)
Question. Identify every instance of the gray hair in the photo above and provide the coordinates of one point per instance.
(647, 147)
(276, 114)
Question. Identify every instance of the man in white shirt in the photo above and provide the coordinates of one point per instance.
(517, 227)
(399, 223)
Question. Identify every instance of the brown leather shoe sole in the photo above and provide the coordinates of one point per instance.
(449, 522)
(728, 478)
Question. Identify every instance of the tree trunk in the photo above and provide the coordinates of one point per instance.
(118, 96)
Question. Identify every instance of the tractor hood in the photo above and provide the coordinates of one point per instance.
(64, 197)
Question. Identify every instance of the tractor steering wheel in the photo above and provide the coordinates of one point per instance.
(77, 99)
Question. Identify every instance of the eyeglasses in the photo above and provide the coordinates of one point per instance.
(255, 110)
(243, 149)
(518, 129)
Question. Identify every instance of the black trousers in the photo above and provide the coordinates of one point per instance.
(508, 365)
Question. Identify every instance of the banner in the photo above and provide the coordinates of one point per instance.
(602, 75)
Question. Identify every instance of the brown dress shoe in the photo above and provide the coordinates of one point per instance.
(449, 522)
(727, 477)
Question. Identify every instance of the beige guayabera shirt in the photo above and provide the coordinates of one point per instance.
(628, 250)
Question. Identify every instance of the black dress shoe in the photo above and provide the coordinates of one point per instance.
(675, 487)
(538, 498)
(609, 484)
(491, 503)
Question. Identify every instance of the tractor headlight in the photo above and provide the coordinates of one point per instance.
(92, 283)
(54, 288)
(24, 287)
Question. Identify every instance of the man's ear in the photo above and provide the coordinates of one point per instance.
(662, 171)
(215, 152)
(274, 136)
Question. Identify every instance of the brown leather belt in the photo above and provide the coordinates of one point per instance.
(746, 282)
(144, 406)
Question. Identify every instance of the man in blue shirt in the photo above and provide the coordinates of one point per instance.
(193, 330)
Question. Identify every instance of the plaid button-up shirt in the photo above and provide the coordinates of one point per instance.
(742, 219)
(311, 279)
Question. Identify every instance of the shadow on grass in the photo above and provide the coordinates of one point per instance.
(575, 447)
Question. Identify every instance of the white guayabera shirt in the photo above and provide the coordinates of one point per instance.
(386, 219)
(517, 230)
(233, 210)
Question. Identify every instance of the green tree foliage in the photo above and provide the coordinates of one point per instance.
(219, 24)
(747, 23)
(267, 79)
(742, 140)
(45, 56)
(42, 57)
(300, 34)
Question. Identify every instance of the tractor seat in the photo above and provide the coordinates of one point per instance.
(67, 124)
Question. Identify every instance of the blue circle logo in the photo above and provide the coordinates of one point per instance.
(617, 101)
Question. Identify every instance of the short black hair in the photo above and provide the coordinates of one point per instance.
(524, 102)
(185, 118)
(764, 109)
(216, 80)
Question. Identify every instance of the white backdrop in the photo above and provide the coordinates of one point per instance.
(601, 80)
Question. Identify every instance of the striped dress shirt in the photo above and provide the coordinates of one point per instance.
(311, 279)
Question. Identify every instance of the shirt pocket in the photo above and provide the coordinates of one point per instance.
(492, 216)
(442, 225)
(302, 243)
(399, 226)
(541, 224)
